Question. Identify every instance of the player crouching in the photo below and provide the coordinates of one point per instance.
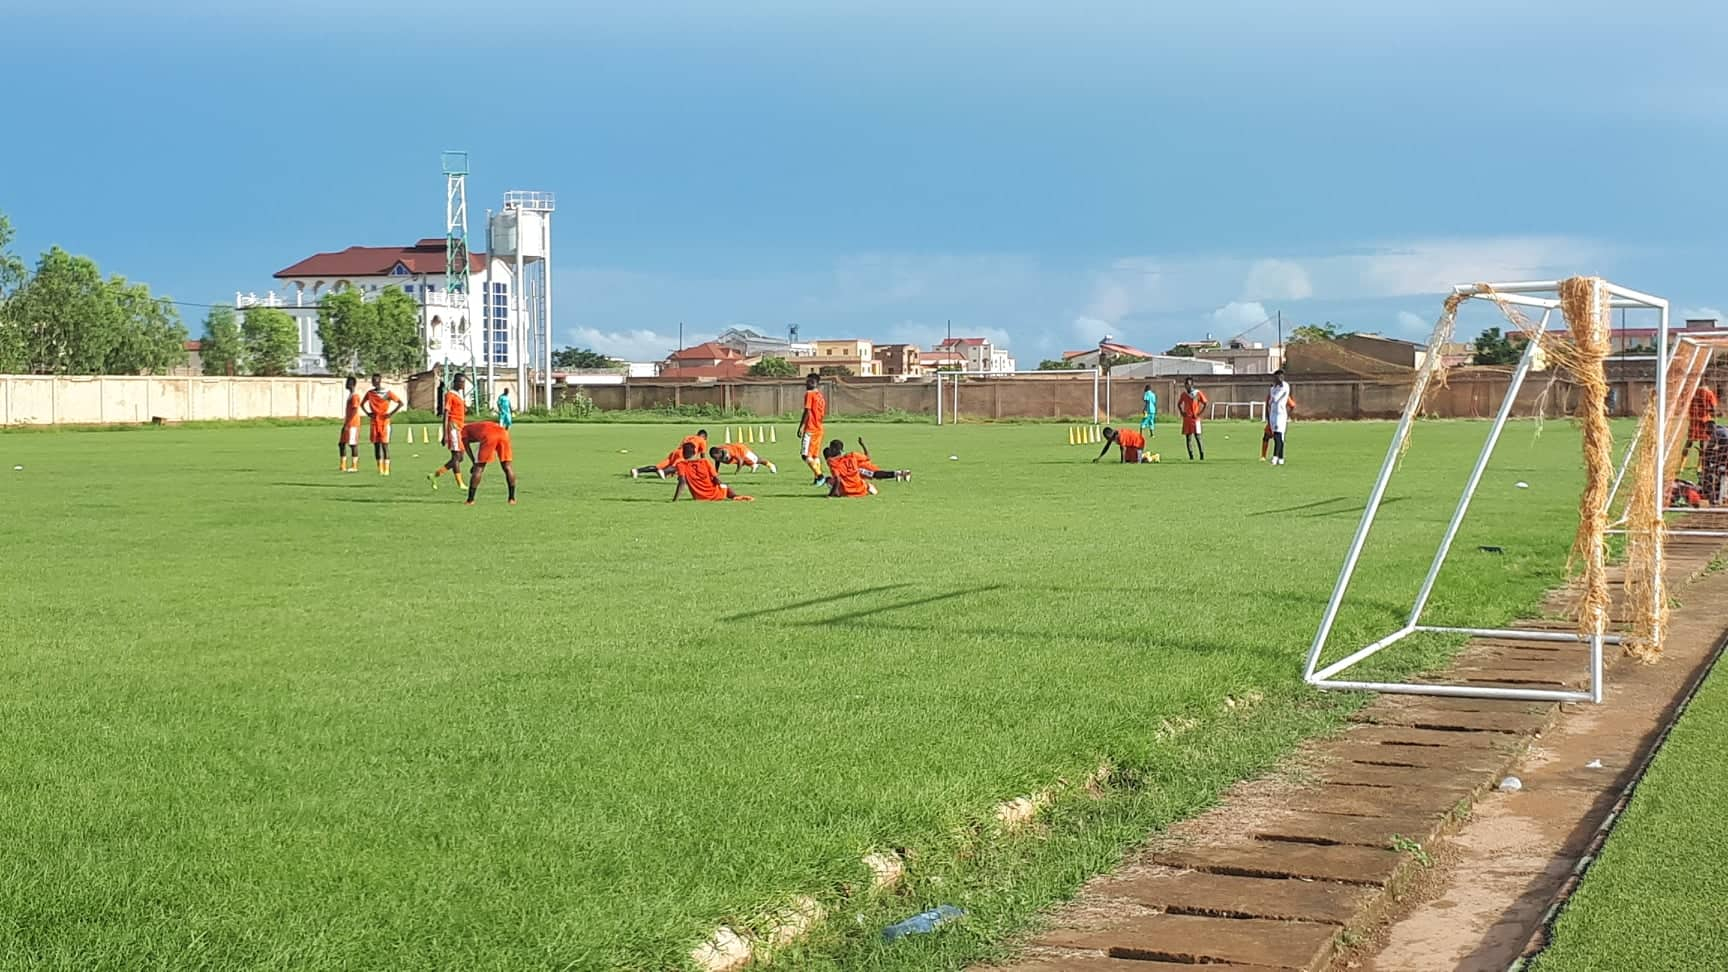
(850, 473)
(697, 473)
(739, 455)
(494, 442)
(1131, 442)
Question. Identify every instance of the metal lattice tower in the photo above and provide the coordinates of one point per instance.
(456, 222)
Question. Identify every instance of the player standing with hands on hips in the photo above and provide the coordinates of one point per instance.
(1278, 414)
(810, 427)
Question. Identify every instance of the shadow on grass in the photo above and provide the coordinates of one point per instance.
(1304, 506)
(397, 498)
(917, 602)
(1388, 501)
(812, 602)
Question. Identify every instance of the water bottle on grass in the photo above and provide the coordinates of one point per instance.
(922, 923)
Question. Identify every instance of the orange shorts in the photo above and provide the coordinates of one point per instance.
(350, 435)
(494, 447)
(811, 445)
(380, 432)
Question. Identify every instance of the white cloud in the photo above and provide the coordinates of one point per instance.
(636, 345)
(1277, 280)
(1088, 331)
(1413, 325)
(1240, 314)
(1700, 314)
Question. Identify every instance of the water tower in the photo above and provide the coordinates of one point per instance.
(521, 233)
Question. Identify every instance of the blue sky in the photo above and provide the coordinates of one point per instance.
(1042, 173)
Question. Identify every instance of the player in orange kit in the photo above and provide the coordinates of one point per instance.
(1191, 404)
(697, 473)
(348, 440)
(494, 442)
(381, 406)
(739, 455)
(810, 425)
(1701, 416)
(666, 468)
(1132, 442)
(455, 416)
(850, 473)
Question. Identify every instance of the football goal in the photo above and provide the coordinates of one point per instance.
(1695, 473)
(1577, 355)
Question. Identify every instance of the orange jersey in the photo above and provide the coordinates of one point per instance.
(848, 478)
(702, 478)
(351, 411)
(455, 410)
(1130, 439)
(493, 441)
(1191, 406)
(817, 406)
(378, 405)
(699, 442)
(737, 452)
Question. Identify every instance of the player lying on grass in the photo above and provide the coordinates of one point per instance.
(455, 418)
(739, 455)
(664, 469)
(494, 442)
(849, 473)
(381, 407)
(1130, 441)
(697, 473)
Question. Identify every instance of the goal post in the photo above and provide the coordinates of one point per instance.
(1227, 406)
(948, 388)
(1585, 302)
(1697, 380)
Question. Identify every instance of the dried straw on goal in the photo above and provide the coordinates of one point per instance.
(1586, 308)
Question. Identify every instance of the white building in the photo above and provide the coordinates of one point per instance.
(754, 344)
(460, 328)
(981, 355)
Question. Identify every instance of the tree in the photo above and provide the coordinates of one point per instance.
(582, 358)
(347, 327)
(1052, 364)
(772, 366)
(1181, 351)
(64, 320)
(1314, 332)
(222, 349)
(12, 269)
(835, 371)
(1493, 348)
(397, 348)
(149, 339)
(270, 339)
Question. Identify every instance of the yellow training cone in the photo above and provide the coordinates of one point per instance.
(728, 431)
(772, 437)
(761, 435)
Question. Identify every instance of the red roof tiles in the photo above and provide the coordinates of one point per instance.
(426, 256)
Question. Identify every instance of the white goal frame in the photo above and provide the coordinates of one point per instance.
(953, 379)
(1543, 296)
(1212, 415)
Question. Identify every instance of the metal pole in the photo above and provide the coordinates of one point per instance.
(1658, 596)
(546, 274)
(1476, 475)
(486, 317)
(1368, 512)
(1094, 395)
(938, 398)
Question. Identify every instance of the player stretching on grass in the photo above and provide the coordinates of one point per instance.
(1131, 442)
(1191, 404)
(664, 469)
(348, 440)
(739, 455)
(455, 414)
(810, 425)
(381, 407)
(1279, 406)
(494, 442)
(698, 473)
(849, 473)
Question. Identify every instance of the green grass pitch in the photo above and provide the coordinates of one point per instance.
(262, 715)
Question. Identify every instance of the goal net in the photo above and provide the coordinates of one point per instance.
(1575, 356)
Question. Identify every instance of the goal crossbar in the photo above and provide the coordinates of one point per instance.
(1539, 294)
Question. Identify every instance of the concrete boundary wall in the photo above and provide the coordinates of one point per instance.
(1475, 393)
(131, 399)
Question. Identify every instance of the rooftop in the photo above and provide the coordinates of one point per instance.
(425, 256)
